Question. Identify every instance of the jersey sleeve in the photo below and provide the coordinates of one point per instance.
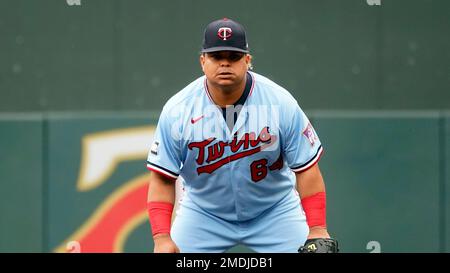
(302, 147)
(164, 154)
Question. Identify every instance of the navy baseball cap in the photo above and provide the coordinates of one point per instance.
(224, 35)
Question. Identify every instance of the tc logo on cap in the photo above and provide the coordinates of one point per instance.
(224, 33)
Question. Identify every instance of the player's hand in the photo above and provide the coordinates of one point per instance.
(318, 232)
(164, 244)
(319, 241)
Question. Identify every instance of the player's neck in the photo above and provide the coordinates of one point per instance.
(226, 95)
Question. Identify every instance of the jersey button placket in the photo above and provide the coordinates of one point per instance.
(235, 185)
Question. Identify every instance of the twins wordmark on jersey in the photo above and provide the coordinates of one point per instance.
(248, 145)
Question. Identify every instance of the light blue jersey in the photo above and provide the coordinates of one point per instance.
(238, 174)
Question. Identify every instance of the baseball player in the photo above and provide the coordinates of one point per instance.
(246, 154)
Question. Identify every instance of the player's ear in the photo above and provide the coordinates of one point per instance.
(248, 61)
(202, 60)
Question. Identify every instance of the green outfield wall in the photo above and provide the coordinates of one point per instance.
(81, 177)
(134, 54)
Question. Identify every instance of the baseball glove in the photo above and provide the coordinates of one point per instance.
(320, 245)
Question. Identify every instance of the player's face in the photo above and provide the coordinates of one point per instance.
(225, 68)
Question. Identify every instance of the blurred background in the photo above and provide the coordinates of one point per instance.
(82, 83)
